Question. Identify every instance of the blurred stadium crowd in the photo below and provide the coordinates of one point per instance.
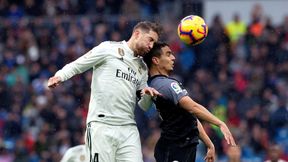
(240, 73)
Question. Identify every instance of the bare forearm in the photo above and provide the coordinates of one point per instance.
(191, 106)
(203, 136)
(201, 112)
(210, 155)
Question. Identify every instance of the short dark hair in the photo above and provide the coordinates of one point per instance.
(147, 26)
(156, 51)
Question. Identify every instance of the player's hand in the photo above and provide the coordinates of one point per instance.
(210, 155)
(227, 135)
(54, 81)
(234, 153)
(150, 91)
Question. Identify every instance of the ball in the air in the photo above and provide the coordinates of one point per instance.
(192, 30)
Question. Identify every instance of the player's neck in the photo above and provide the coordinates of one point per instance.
(131, 45)
(155, 71)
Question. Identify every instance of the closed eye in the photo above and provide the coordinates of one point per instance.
(169, 53)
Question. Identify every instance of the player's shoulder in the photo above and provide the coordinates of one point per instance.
(108, 48)
(113, 43)
(159, 81)
(165, 82)
(161, 78)
(110, 44)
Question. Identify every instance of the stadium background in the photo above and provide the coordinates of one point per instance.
(240, 75)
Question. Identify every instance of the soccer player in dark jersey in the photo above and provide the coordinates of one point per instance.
(180, 128)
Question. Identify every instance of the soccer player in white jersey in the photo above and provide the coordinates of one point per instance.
(119, 74)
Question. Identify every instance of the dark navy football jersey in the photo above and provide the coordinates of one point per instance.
(177, 123)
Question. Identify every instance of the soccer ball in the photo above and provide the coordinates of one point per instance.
(192, 30)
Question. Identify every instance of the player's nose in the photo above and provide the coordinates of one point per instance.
(173, 57)
(150, 45)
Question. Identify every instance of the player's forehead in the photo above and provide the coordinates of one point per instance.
(153, 35)
(166, 50)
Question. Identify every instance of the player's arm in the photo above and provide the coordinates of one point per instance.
(202, 113)
(210, 155)
(83, 63)
(146, 96)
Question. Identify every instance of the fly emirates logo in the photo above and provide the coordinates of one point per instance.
(130, 76)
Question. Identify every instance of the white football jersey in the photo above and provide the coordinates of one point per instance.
(75, 154)
(117, 75)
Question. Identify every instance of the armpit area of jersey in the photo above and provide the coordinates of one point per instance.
(138, 94)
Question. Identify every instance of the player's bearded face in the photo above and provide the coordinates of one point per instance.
(140, 49)
(145, 42)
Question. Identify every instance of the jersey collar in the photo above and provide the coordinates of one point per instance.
(155, 76)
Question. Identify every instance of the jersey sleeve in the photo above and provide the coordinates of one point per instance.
(173, 91)
(94, 57)
(143, 82)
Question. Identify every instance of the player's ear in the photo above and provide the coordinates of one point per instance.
(155, 60)
(137, 33)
